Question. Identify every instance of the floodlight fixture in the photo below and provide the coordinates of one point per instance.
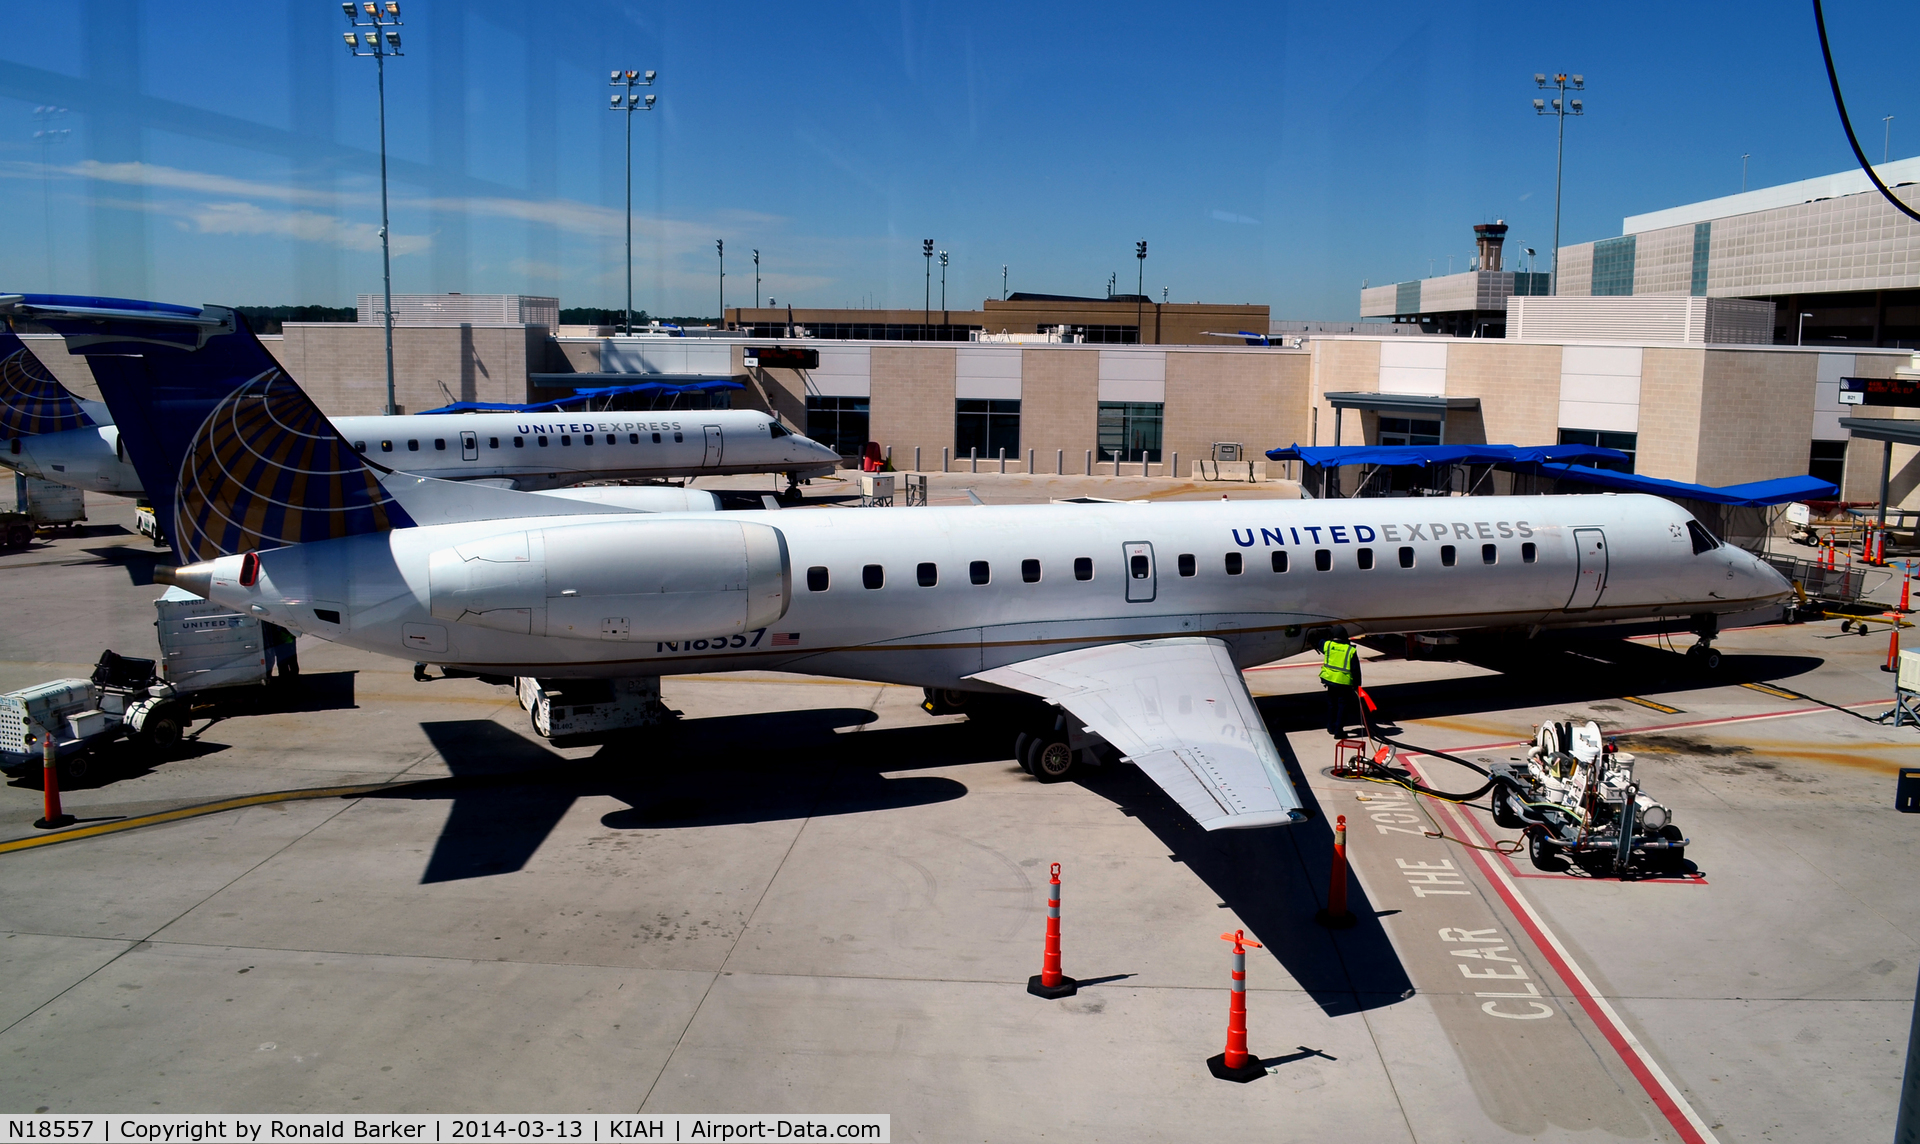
(370, 9)
(1559, 107)
(353, 41)
(650, 98)
(393, 40)
(393, 9)
(616, 100)
(650, 74)
(347, 7)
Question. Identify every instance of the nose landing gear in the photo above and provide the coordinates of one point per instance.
(1702, 655)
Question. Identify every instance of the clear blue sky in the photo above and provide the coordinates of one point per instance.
(1268, 153)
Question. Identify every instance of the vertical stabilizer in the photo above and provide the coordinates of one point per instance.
(32, 400)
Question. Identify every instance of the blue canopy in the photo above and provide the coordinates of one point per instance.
(1423, 455)
(1780, 490)
(583, 395)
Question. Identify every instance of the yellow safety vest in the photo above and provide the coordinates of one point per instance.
(1341, 658)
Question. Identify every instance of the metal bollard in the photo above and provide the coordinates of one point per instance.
(1029, 462)
(973, 457)
(916, 458)
(51, 816)
(1173, 469)
(1116, 464)
(1089, 462)
(1236, 1063)
(1003, 460)
(1060, 462)
(945, 466)
(1050, 982)
(1336, 915)
(1143, 465)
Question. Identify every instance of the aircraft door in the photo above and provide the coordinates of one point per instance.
(714, 444)
(1592, 546)
(1138, 564)
(469, 446)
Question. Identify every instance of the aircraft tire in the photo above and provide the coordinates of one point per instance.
(1050, 759)
(1021, 743)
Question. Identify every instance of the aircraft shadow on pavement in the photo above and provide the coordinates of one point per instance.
(1541, 674)
(509, 792)
(1275, 879)
(139, 562)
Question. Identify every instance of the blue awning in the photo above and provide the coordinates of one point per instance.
(584, 395)
(1424, 455)
(1780, 490)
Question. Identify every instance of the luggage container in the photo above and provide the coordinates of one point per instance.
(563, 707)
(205, 645)
(47, 504)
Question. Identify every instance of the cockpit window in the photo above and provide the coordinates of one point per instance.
(1703, 540)
(776, 430)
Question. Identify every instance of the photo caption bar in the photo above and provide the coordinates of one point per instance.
(180, 1128)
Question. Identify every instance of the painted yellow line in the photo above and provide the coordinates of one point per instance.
(186, 812)
(1660, 707)
(1761, 687)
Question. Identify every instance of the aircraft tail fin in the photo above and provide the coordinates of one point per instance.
(32, 400)
(234, 455)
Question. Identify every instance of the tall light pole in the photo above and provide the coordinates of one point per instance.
(382, 41)
(720, 249)
(1003, 281)
(629, 101)
(1743, 173)
(1886, 140)
(48, 135)
(1562, 107)
(943, 289)
(756, 280)
(926, 304)
(1139, 286)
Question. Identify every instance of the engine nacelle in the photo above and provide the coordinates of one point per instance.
(617, 580)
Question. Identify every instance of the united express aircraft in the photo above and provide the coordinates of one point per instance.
(1134, 619)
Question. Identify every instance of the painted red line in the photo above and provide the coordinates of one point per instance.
(1689, 723)
(1684, 1120)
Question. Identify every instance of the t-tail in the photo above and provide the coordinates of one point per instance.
(232, 452)
(32, 400)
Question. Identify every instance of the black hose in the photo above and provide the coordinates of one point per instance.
(1401, 779)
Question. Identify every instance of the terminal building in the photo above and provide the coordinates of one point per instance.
(1121, 319)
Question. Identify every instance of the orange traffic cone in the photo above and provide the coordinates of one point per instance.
(1050, 982)
(1237, 1064)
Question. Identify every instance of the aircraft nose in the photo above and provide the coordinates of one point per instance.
(1768, 582)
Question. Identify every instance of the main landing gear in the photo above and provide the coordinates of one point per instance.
(1045, 753)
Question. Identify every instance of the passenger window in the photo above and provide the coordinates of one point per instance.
(1703, 540)
(1083, 568)
(566, 439)
(386, 446)
(1323, 559)
(816, 579)
(610, 439)
(873, 576)
(1406, 557)
(1279, 560)
(1365, 558)
(1030, 571)
(1234, 564)
(493, 442)
(1186, 564)
(1139, 567)
(359, 446)
(1528, 553)
(585, 439)
(440, 443)
(633, 438)
(1446, 556)
(1489, 554)
(413, 446)
(542, 441)
(519, 442)
(677, 438)
(656, 438)
(978, 572)
(929, 575)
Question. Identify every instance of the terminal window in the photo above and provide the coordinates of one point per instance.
(1827, 460)
(986, 425)
(1627, 443)
(1408, 431)
(840, 423)
(1131, 430)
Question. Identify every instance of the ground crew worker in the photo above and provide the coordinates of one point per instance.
(1340, 671)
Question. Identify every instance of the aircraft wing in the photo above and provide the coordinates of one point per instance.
(1180, 711)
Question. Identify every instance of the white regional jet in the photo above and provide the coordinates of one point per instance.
(1136, 619)
(57, 437)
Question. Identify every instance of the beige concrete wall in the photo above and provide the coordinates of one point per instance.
(1670, 414)
(1339, 367)
(342, 365)
(1059, 405)
(1755, 409)
(1259, 401)
(912, 401)
(1519, 390)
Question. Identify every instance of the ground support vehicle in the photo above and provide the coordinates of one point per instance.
(1576, 796)
(16, 531)
(123, 699)
(563, 707)
(204, 645)
(49, 505)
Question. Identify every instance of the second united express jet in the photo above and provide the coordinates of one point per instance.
(1134, 619)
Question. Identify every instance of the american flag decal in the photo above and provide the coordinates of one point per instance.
(785, 639)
